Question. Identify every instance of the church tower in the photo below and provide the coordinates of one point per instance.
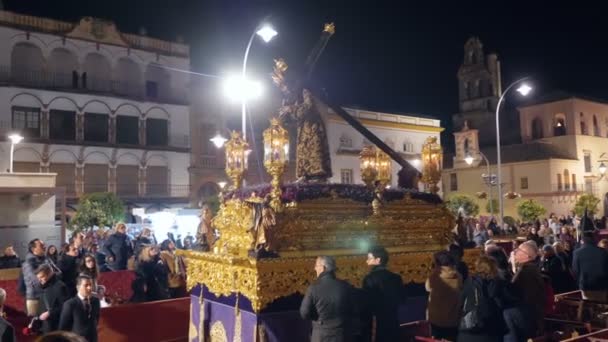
(479, 88)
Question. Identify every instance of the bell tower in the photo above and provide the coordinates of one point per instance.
(479, 88)
(467, 144)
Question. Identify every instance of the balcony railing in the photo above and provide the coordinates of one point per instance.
(574, 188)
(39, 78)
(132, 190)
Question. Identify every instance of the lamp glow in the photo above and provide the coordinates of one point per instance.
(222, 185)
(240, 89)
(218, 140)
(266, 32)
(15, 138)
(602, 168)
(416, 162)
(469, 159)
(524, 89)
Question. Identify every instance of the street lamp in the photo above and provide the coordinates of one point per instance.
(602, 168)
(15, 139)
(469, 160)
(524, 89)
(241, 87)
(218, 140)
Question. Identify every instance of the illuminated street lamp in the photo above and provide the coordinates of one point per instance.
(524, 89)
(218, 140)
(237, 151)
(602, 168)
(469, 160)
(242, 88)
(367, 161)
(15, 139)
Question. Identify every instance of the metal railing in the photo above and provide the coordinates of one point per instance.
(41, 78)
(574, 188)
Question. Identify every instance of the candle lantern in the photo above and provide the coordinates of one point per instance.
(237, 153)
(367, 161)
(432, 155)
(276, 157)
(383, 168)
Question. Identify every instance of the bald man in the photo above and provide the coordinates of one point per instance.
(530, 286)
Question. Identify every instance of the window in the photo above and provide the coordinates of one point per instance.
(537, 128)
(27, 121)
(573, 182)
(453, 182)
(156, 132)
(96, 127)
(560, 127)
(151, 89)
(466, 147)
(62, 125)
(589, 186)
(596, 127)
(523, 182)
(127, 180)
(566, 180)
(346, 176)
(559, 182)
(346, 141)
(127, 130)
(583, 124)
(157, 181)
(408, 147)
(587, 162)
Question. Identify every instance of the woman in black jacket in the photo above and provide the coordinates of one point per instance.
(483, 302)
(151, 268)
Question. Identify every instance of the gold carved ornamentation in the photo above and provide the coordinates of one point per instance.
(218, 333)
(276, 157)
(266, 280)
(234, 220)
(237, 153)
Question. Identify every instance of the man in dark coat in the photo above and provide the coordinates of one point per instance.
(54, 294)
(81, 313)
(118, 249)
(7, 332)
(382, 293)
(590, 266)
(329, 304)
(9, 259)
(68, 264)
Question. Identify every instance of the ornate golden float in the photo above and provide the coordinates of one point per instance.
(269, 235)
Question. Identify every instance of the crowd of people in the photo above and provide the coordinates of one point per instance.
(61, 285)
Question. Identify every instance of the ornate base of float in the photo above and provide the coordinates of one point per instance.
(244, 299)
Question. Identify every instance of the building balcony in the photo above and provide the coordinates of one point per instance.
(132, 191)
(566, 189)
(78, 83)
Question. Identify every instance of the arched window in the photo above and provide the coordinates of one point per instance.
(128, 77)
(62, 67)
(583, 124)
(566, 180)
(559, 127)
(596, 127)
(158, 82)
(27, 64)
(466, 147)
(537, 128)
(96, 72)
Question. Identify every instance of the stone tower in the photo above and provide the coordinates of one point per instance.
(479, 88)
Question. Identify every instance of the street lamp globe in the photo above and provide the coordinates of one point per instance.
(15, 138)
(218, 140)
(266, 32)
(602, 168)
(524, 89)
(469, 159)
(222, 185)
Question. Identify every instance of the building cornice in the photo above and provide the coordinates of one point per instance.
(387, 124)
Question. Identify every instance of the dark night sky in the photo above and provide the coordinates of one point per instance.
(386, 55)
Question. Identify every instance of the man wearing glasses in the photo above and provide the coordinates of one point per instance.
(530, 286)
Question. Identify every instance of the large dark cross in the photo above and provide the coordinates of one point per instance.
(408, 175)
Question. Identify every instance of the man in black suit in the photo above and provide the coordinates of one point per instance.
(81, 313)
(54, 294)
(590, 265)
(382, 294)
(329, 304)
(7, 332)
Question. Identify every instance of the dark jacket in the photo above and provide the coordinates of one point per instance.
(69, 269)
(118, 247)
(382, 294)
(556, 270)
(154, 274)
(10, 261)
(54, 294)
(75, 318)
(529, 286)
(329, 304)
(590, 266)
(7, 332)
(29, 266)
(488, 293)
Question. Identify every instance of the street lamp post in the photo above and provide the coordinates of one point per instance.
(469, 160)
(266, 32)
(15, 139)
(524, 90)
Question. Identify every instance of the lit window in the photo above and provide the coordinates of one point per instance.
(346, 176)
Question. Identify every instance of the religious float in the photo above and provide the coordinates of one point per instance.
(249, 284)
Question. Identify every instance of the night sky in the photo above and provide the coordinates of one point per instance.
(394, 56)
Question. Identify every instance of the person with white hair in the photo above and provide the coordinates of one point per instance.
(7, 332)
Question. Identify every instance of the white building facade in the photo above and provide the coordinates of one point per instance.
(103, 109)
(403, 133)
